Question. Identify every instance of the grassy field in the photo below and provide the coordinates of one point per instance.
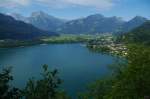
(63, 38)
(70, 38)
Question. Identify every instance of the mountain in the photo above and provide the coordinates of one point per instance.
(18, 17)
(92, 24)
(140, 34)
(133, 23)
(100, 24)
(41, 20)
(13, 29)
(96, 23)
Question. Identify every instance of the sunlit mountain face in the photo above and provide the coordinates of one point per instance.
(40, 20)
(96, 23)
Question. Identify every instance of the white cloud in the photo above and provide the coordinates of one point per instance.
(13, 3)
(98, 4)
(92, 3)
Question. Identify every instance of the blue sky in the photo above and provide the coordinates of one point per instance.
(71, 9)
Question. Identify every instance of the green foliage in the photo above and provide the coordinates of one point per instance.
(72, 38)
(7, 91)
(130, 80)
(134, 82)
(140, 34)
(45, 88)
(97, 89)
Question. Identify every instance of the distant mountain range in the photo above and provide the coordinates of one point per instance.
(100, 24)
(91, 24)
(13, 29)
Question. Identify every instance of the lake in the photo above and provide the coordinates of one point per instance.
(76, 64)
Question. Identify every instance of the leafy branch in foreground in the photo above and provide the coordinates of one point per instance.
(45, 88)
(7, 91)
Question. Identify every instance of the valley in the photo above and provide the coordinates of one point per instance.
(99, 42)
(50, 52)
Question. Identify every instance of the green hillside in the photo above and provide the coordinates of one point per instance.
(139, 35)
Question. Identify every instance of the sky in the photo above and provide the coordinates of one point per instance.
(72, 9)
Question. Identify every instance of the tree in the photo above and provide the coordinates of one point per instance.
(45, 88)
(97, 89)
(130, 80)
(7, 91)
(134, 82)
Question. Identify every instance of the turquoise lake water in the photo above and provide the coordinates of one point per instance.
(77, 65)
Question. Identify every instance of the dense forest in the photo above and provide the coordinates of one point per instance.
(129, 80)
(139, 35)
